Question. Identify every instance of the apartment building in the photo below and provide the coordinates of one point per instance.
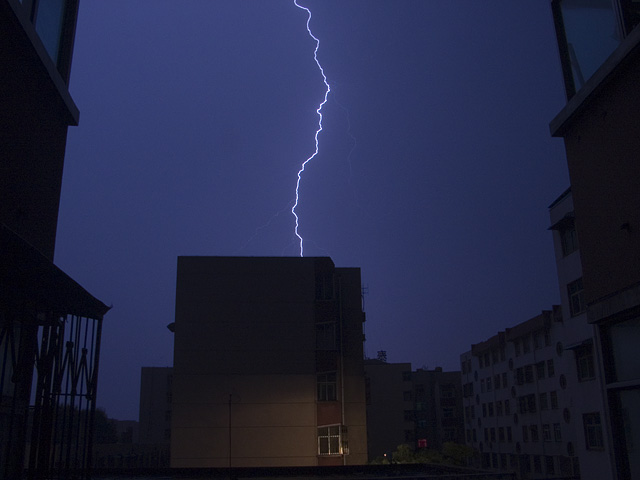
(268, 363)
(49, 325)
(517, 405)
(599, 45)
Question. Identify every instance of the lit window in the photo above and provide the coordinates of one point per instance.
(326, 387)
(576, 297)
(332, 440)
(592, 431)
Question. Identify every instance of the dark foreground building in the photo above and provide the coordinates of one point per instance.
(599, 43)
(268, 364)
(49, 325)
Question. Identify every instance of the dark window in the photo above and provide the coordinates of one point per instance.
(526, 344)
(534, 433)
(504, 380)
(491, 409)
(546, 432)
(576, 297)
(406, 376)
(592, 431)
(540, 370)
(550, 466)
(489, 385)
(326, 387)
(447, 391)
(509, 435)
(584, 362)
(507, 409)
(551, 371)
(537, 464)
(324, 286)
(407, 396)
(501, 434)
(499, 408)
(568, 238)
(326, 336)
(557, 432)
(525, 433)
(544, 404)
(50, 24)
(528, 374)
(408, 416)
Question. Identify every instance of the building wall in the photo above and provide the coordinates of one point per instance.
(248, 356)
(390, 407)
(438, 407)
(578, 338)
(155, 405)
(600, 126)
(517, 400)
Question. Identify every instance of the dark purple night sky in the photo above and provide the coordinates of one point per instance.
(434, 174)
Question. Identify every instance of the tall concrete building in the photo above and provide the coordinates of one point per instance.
(268, 363)
(599, 44)
(49, 325)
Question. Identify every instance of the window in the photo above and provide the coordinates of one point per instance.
(540, 370)
(407, 396)
(546, 432)
(484, 409)
(501, 434)
(537, 464)
(576, 297)
(326, 336)
(531, 403)
(504, 380)
(491, 409)
(447, 391)
(525, 433)
(499, 408)
(551, 371)
(544, 404)
(408, 416)
(507, 409)
(448, 412)
(50, 24)
(568, 238)
(516, 346)
(406, 376)
(520, 375)
(557, 432)
(550, 466)
(496, 382)
(590, 34)
(489, 385)
(526, 344)
(482, 389)
(584, 362)
(509, 435)
(332, 440)
(553, 396)
(324, 286)
(528, 374)
(493, 434)
(592, 431)
(327, 387)
(533, 429)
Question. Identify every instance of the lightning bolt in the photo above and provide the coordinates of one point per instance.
(319, 112)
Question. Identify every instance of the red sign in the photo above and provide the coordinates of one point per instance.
(422, 443)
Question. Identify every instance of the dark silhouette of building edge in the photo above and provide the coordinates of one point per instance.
(50, 327)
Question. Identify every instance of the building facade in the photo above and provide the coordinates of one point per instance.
(50, 326)
(518, 401)
(268, 363)
(599, 44)
(421, 408)
(438, 408)
(581, 360)
(390, 407)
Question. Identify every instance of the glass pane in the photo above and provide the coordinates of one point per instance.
(625, 338)
(592, 34)
(49, 19)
